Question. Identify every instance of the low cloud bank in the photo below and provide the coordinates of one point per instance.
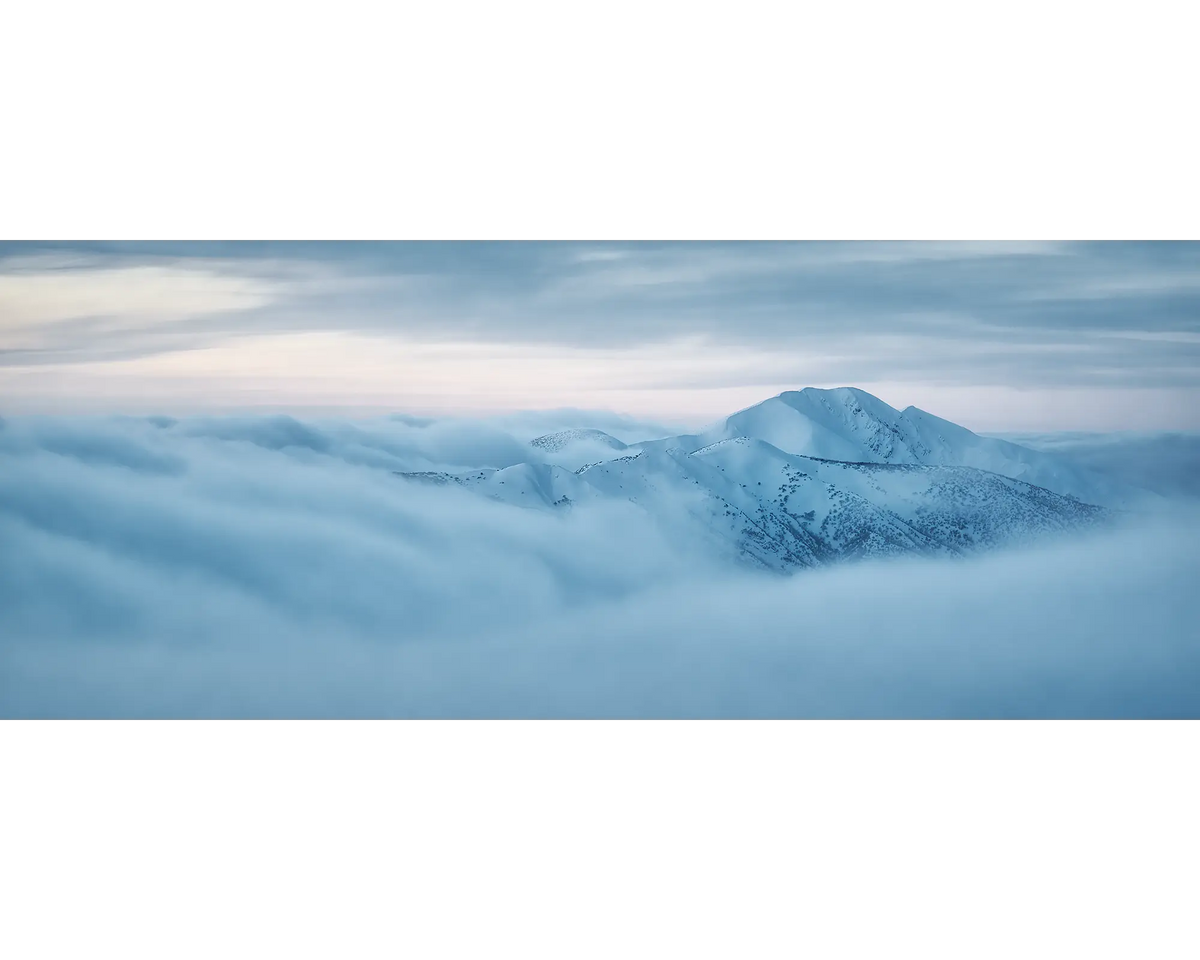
(1164, 463)
(268, 567)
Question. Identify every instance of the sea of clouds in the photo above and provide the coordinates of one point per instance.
(1166, 463)
(267, 566)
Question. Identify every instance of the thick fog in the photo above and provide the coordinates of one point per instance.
(1164, 463)
(263, 566)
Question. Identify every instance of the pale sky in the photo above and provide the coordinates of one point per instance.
(1036, 336)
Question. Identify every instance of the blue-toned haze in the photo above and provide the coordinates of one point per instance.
(584, 480)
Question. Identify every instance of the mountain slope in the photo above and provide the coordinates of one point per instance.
(553, 442)
(811, 477)
(750, 501)
(854, 426)
(864, 509)
(573, 448)
(524, 485)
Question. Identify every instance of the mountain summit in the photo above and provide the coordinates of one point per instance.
(852, 425)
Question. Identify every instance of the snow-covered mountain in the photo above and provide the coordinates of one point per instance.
(523, 485)
(575, 447)
(562, 439)
(852, 425)
(811, 477)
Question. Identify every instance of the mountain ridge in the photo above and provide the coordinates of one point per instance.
(852, 425)
(898, 482)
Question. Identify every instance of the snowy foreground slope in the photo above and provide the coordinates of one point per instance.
(811, 477)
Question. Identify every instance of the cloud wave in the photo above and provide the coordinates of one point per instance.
(272, 567)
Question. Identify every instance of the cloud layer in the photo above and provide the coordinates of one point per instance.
(1165, 463)
(274, 567)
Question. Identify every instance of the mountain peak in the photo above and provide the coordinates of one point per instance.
(839, 392)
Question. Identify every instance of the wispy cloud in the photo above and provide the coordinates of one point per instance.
(658, 317)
